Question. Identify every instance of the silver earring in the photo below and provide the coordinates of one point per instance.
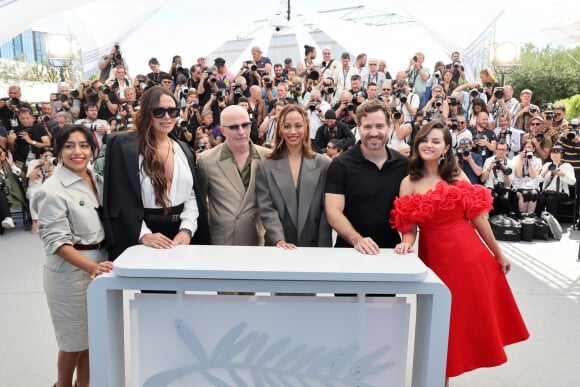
(441, 159)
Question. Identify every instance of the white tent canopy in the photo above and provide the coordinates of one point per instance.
(157, 28)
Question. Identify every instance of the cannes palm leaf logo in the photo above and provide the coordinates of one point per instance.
(273, 364)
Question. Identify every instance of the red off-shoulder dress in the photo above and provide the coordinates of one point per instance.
(484, 314)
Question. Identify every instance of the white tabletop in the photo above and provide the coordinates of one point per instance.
(268, 263)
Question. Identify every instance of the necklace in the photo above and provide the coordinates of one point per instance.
(169, 149)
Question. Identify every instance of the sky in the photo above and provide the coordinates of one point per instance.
(178, 27)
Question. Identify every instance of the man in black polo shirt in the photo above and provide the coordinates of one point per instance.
(362, 184)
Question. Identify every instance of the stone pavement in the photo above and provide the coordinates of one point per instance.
(545, 279)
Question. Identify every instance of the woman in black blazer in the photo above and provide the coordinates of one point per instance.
(290, 186)
(150, 192)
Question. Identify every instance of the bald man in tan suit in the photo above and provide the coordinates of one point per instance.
(226, 176)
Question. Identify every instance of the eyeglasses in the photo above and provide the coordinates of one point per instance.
(535, 124)
(461, 122)
(501, 150)
(372, 64)
(159, 112)
(386, 89)
(235, 128)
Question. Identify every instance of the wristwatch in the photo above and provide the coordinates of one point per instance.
(33, 142)
(187, 231)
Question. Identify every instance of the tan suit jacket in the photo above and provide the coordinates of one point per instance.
(233, 212)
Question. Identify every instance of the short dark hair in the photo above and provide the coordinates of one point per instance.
(345, 55)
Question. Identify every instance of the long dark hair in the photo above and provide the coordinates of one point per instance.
(280, 147)
(152, 162)
(448, 170)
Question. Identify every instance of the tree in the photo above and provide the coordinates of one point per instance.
(551, 73)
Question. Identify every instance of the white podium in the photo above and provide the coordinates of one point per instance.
(266, 269)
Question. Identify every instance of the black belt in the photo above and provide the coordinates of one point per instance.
(95, 246)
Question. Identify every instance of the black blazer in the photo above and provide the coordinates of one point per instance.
(122, 203)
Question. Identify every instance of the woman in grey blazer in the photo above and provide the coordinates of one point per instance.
(290, 186)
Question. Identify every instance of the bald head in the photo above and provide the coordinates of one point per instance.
(232, 111)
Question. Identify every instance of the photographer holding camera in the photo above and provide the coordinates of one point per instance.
(98, 127)
(484, 139)
(343, 74)
(557, 176)
(108, 62)
(332, 130)
(536, 135)
(121, 80)
(27, 139)
(345, 111)
(62, 100)
(457, 67)
(9, 106)
(470, 162)
(316, 107)
(502, 103)
(511, 136)
(437, 105)
(406, 102)
(417, 74)
(526, 181)
(154, 77)
(38, 171)
(308, 63)
(525, 111)
(497, 175)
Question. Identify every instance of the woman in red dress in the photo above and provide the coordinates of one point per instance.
(457, 243)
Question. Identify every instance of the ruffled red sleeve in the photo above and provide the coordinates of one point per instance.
(477, 201)
(402, 214)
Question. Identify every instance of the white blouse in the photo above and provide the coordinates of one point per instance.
(181, 191)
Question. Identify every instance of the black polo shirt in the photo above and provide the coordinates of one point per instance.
(369, 193)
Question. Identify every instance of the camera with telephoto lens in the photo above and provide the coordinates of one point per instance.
(45, 118)
(529, 155)
(253, 67)
(533, 109)
(237, 89)
(438, 101)
(456, 64)
(298, 89)
(268, 83)
(182, 123)
(453, 125)
(61, 97)
(540, 137)
(221, 94)
(499, 92)
(400, 94)
(437, 74)
(474, 93)
(350, 107)
(552, 167)
(415, 59)
(14, 102)
(505, 136)
(462, 153)
(572, 134)
(117, 56)
(481, 149)
(396, 114)
(313, 104)
(453, 101)
(314, 75)
(499, 166)
(105, 89)
(549, 115)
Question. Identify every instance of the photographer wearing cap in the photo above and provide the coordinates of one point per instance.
(525, 111)
(557, 176)
(332, 129)
(536, 135)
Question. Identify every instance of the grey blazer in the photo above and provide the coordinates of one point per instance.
(233, 211)
(281, 207)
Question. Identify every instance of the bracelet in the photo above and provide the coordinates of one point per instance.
(187, 231)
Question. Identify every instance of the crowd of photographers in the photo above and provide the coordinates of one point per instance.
(527, 154)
